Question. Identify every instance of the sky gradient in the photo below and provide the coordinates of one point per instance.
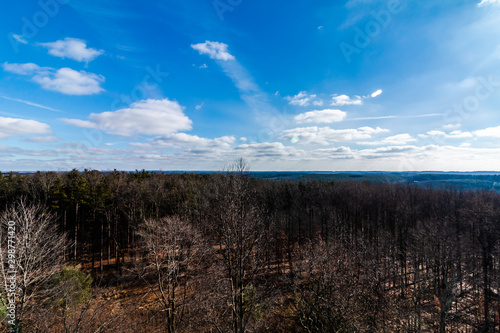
(358, 85)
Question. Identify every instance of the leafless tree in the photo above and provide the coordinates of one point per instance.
(335, 289)
(239, 227)
(174, 252)
(31, 252)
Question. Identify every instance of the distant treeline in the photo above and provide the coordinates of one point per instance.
(312, 256)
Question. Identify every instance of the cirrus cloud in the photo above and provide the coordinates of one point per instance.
(488, 2)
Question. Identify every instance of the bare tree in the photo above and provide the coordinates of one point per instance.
(31, 252)
(239, 227)
(174, 251)
(334, 290)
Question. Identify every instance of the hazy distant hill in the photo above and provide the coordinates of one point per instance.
(463, 180)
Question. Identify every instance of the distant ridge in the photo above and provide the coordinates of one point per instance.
(473, 180)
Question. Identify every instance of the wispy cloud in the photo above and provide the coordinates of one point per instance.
(43, 139)
(29, 103)
(250, 92)
(19, 38)
(399, 116)
(72, 48)
(488, 2)
(303, 99)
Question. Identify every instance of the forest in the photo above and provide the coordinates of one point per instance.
(224, 252)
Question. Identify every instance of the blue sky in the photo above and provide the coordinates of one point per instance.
(391, 85)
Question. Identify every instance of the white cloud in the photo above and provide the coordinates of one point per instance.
(302, 99)
(203, 66)
(321, 116)
(491, 132)
(13, 126)
(459, 134)
(327, 135)
(72, 48)
(21, 69)
(199, 106)
(43, 139)
(393, 151)
(452, 135)
(432, 157)
(183, 140)
(70, 82)
(400, 139)
(11, 151)
(215, 50)
(20, 38)
(250, 92)
(80, 123)
(150, 117)
(267, 150)
(346, 100)
(376, 93)
(65, 80)
(488, 2)
(334, 153)
(399, 116)
(77, 150)
(452, 126)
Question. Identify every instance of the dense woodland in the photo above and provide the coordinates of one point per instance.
(223, 252)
